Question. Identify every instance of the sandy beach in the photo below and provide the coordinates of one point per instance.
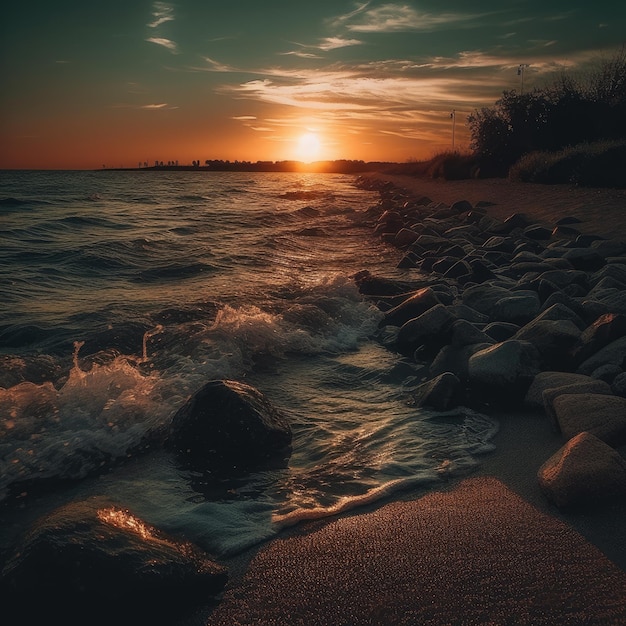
(486, 549)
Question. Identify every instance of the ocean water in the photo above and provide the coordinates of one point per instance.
(122, 293)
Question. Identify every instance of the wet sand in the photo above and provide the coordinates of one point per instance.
(484, 549)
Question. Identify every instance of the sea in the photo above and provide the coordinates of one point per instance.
(122, 293)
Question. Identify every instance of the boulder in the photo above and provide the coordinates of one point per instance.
(606, 329)
(618, 386)
(94, 555)
(438, 393)
(484, 298)
(553, 339)
(505, 369)
(585, 471)
(464, 333)
(455, 360)
(614, 354)
(548, 380)
(585, 259)
(429, 331)
(229, 422)
(501, 331)
(589, 386)
(601, 415)
(517, 308)
(416, 304)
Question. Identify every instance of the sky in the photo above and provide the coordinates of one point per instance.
(128, 82)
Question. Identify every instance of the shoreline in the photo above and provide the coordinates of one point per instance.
(509, 473)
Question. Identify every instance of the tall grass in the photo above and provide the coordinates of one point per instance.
(597, 164)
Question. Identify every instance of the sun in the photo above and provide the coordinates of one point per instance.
(308, 147)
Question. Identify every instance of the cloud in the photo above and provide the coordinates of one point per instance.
(389, 18)
(243, 117)
(216, 66)
(161, 105)
(162, 13)
(166, 43)
(332, 43)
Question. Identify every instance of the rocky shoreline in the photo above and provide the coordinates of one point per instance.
(516, 313)
(494, 313)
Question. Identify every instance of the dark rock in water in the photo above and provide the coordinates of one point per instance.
(585, 471)
(455, 360)
(229, 422)
(601, 415)
(430, 331)
(35, 369)
(93, 562)
(438, 393)
(416, 304)
(484, 298)
(370, 285)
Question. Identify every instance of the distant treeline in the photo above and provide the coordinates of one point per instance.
(341, 166)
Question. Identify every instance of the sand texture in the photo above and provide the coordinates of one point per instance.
(478, 554)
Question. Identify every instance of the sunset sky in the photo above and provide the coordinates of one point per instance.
(118, 83)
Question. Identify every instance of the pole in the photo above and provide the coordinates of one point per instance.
(453, 116)
(520, 73)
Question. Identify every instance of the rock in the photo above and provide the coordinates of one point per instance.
(539, 233)
(585, 259)
(416, 304)
(94, 556)
(505, 369)
(484, 298)
(518, 308)
(585, 471)
(601, 415)
(455, 360)
(553, 339)
(500, 331)
(229, 422)
(589, 386)
(429, 331)
(614, 353)
(405, 237)
(549, 380)
(463, 333)
(607, 372)
(438, 393)
(618, 386)
(606, 329)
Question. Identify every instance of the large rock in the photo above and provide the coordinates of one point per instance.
(229, 422)
(548, 380)
(484, 298)
(429, 331)
(96, 559)
(506, 369)
(613, 354)
(455, 359)
(440, 393)
(584, 471)
(606, 329)
(601, 415)
(553, 339)
(517, 308)
(591, 386)
(416, 304)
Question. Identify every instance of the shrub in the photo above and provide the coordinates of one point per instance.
(598, 164)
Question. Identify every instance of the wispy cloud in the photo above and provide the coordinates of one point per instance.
(166, 43)
(162, 13)
(216, 66)
(332, 43)
(161, 105)
(243, 117)
(388, 18)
